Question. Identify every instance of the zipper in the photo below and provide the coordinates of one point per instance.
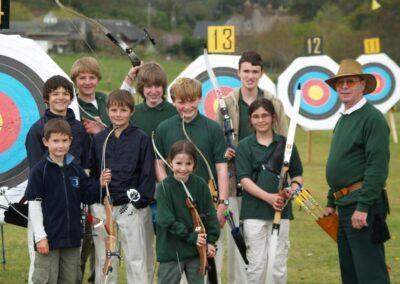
(66, 201)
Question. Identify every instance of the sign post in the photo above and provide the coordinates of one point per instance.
(4, 14)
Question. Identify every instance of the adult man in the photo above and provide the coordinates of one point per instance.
(238, 102)
(356, 172)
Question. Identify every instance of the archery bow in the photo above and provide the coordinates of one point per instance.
(111, 238)
(118, 42)
(282, 180)
(227, 121)
(212, 185)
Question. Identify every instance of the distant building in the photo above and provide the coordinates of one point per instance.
(257, 19)
(59, 36)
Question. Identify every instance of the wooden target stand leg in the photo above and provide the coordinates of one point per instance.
(3, 249)
(392, 125)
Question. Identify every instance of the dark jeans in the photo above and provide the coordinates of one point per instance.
(361, 260)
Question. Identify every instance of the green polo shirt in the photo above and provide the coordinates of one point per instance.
(205, 133)
(250, 155)
(176, 237)
(101, 111)
(244, 125)
(148, 118)
(359, 152)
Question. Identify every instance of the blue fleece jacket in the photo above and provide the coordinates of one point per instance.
(80, 139)
(62, 190)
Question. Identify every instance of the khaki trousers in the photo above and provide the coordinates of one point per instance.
(137, 237)
(257, 235)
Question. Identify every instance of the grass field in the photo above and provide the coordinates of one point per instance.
(313, 256)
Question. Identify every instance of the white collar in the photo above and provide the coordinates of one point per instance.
(357, 106)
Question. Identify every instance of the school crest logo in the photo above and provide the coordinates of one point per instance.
(74, 181)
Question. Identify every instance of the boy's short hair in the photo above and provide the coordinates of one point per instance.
(252, 57)
(57, 125)
(85, 64)
(151, 74)
(121, 98)
(186, 89)
(53, 83)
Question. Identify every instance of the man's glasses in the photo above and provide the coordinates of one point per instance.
(349, 82)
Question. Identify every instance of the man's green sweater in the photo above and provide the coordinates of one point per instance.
(176, 238)
(359, 152)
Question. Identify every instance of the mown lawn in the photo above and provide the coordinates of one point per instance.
(313, 256)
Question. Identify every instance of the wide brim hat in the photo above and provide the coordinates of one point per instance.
(350, 67)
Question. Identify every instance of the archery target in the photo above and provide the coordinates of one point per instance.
(21, 106)
(320, 104)
(225, 68)
(24, 67)
(383, 68)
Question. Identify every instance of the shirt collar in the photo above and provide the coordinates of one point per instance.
(159, 107)
(260, 93)
(275, 138)
(357, 106)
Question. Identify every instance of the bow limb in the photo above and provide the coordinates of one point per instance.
(198, 227)
(158, 154)
(111, 239)
(227, 121)
(121, 44)
(212, 185)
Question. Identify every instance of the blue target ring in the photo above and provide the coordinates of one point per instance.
(20, 90)
(319, 101)
(385, 82)
(226, 77)
(28, 114)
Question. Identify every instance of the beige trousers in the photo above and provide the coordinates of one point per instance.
(137, 237)
(257, 235)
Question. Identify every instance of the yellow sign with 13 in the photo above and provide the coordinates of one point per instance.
(221, 39)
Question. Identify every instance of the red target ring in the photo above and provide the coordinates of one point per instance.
(380, 83)
(10, 122)
(211, 102)
(316, 92)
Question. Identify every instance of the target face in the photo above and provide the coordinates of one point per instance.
(383, 68)
(225, 70)
(20, 106)
(24, 67)
(319, 104)
(319, 101)
(228, 80)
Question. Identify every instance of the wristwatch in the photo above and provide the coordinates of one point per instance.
(224, 201)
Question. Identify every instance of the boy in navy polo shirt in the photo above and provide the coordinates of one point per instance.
(57, 186)
(128, 153)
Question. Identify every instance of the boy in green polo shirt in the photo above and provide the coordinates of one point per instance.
(151, 85)
(85, 73)
(205, 133)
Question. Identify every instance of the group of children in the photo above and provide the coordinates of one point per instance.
(113, 145)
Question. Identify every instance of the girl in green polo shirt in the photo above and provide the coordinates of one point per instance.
(258, 161)
(177, 240)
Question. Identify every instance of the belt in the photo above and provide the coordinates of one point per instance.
(347, 190)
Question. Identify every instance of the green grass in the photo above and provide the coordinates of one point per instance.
(313, 255)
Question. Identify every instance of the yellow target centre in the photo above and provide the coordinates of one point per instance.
(378, 84)
(315, 93)
(1, 122)
(215, 105)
